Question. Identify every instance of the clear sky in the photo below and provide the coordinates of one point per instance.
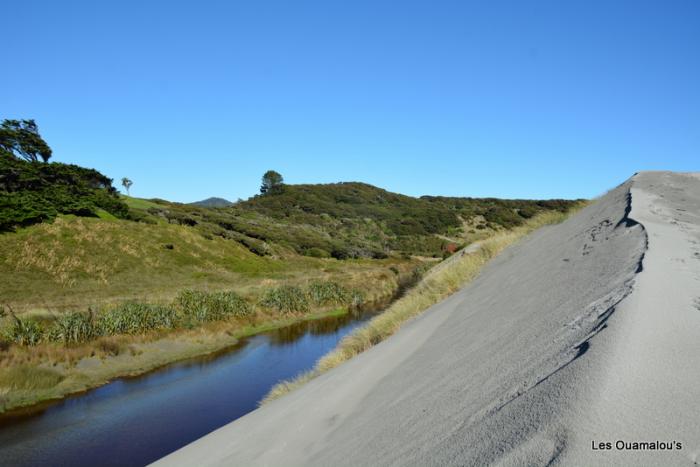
(531, 99)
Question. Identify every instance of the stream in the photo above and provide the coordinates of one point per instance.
(135, 421)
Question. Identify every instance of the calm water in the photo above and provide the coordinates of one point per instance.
(136, 421)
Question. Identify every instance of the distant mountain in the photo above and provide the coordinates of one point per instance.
(213, 203)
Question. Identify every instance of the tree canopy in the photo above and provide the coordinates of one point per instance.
(271, 181)
(21, 139)
(126, 183)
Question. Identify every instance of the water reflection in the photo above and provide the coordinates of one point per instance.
(134, 421)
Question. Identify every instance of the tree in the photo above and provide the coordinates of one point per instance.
(126, 183)
(20, 138)
(271, 182)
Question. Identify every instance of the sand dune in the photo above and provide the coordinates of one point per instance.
(583, 334)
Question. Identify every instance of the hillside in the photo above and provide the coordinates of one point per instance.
(71, 241)
(354, 220)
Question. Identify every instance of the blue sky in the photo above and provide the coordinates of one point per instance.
(530, 99)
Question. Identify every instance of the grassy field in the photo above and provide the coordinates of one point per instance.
(441, 282)
(76, 262)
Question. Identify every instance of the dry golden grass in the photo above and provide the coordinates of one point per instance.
(27, 377)
(440, 282)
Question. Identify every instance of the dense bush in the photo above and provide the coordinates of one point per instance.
(32, 192)
(348, 220)
(402, 214)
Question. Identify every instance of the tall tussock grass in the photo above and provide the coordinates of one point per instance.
(292, 299)
(286, 299)
(436, 285)
(328, 293)
(137, 318)
(189, 309)
(74, 328)
(24, 332)
(202, 307)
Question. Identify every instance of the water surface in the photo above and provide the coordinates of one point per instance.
(138, 420)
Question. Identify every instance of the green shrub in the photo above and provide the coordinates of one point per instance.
(73, 328)
(24, 332)
(137, 318)
(202, 307)
(286, 299)
(328, 293)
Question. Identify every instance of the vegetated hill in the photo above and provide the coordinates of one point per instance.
(136, 248)
(213, 202)
(354, 220)
(340, 220)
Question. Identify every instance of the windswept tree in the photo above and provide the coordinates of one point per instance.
(271, 182)
(126, 183)
(20, 138)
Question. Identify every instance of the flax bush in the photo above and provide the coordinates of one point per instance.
(200, 307)
(74, 328)
(328, 293)
(138, 318)
(286, 299)
(24, 332)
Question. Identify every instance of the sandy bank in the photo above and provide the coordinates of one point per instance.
(585, 331)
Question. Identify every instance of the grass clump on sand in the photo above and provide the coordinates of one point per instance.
(439, 283)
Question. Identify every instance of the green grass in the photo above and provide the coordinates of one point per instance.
(28, 378)
(140, 203)
(104, 215)
(76, 262)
